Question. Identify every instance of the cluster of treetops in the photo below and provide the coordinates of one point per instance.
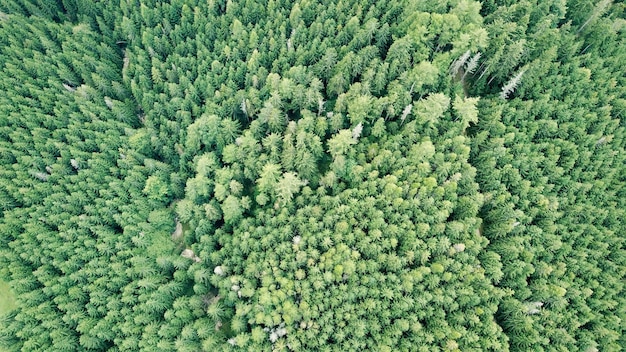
(313, 175)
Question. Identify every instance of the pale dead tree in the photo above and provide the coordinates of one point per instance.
(407, 110)
(585, 49)
(619, 24)
(41, 176)
(604, 139)
(456, 177)
(276, 333)
(320, 107)
(597, 12)
(69, 88)
(458, 63)
(189, 254)
(126, 62)
(356, 132)
(178, 231)
(281, 331)
(289, 45)
(472, 64)
(510, 86)
(244, 107)
(533, 307)
(485, 70)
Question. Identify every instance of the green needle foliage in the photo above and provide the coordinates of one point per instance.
(307, 175)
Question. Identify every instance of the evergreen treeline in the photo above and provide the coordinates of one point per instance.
(313, 175)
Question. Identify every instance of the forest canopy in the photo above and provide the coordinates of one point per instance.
(307, 175)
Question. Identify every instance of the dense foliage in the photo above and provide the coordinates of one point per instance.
(313, 175)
